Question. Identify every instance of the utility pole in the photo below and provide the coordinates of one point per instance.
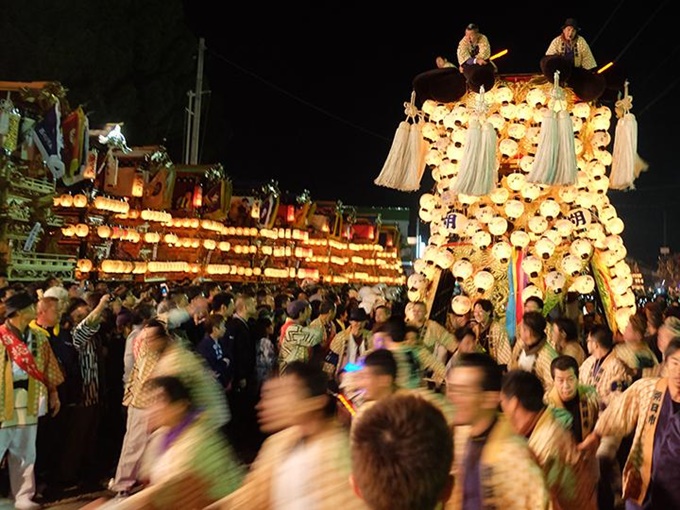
(194, 111)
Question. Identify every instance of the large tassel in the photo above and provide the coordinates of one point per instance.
(544, 166)
(469, 162)
(626, 164)
(479, 164)
(415, 159)
(404, 157)
(392, 173)
(567, 167)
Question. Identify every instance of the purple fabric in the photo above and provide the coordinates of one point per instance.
(175, 431)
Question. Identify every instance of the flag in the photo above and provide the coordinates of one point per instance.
(50, 142)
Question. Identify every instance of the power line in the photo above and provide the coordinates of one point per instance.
(599, 33)
(298, 98)
(632, 39)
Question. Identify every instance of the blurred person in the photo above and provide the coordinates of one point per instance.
(491, 333)
(493, 466)
(349, 345)
(341, 317)
(211, 349)
(28, 390)
(565, 339)
(634, 351)
(648, 410)
(325, 321)
(411, 436)
(299, 339)
(413, 360)
(223, 303)
(602, 369)
(210, 290)
(142, 313)
(4, 283)
(61, 294)
(239, 344)
(669, 329)
(533, 353)
(381, 313)
(162, 353)
(281, 301)
(533, 304)
(549, 438)
(266, 355)
(467, 342)
(432, 335)
(305, 460)
(655, 317)
(189, 464)
(583, 406)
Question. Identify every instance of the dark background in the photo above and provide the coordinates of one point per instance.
(311, 97)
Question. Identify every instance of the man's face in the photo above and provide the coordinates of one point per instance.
(373, 383)
(79, 314)
(419, 313)
(471, 35)
(531, 306)
(569, 32)
(381, 314)
(566, 383)
(49, 313)
(464, 391)
(284, 402)
(163, 413)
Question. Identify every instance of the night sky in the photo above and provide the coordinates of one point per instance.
(314, 100)
(311, 97)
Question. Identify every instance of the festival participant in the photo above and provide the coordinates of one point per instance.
(634, 351)
(188, 463)
(349, 345)
(305, 461)
(583, 406)
(493, 466)
(491, 334)
(549, 438)
(30, 374)
(533, 352)
(299, 339)
(565, 339)
(648, 409)
(474, 52)
(432, 335)
(411, 436)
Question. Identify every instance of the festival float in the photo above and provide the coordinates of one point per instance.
(78, 203)
(521, 167)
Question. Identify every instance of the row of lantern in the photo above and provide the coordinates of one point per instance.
(137, 267)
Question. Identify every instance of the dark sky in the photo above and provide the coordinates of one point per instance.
(313, 99)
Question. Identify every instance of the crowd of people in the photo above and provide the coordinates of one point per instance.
(204, 395)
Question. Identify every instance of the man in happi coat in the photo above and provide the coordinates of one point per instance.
(651, 409)
(493, 466)
(29, 376)
(533, 352)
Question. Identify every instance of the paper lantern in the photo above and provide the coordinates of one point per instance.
(532, 266)
(481, 239)
(483, 281)
(501, 251)
(84, 265)
(516, 181)
(615, 226)
(520, 239)
(581, 248)
(498, 226)
(80, 200)
(622, 316)
(461, 304)
(544, 248)
(104, 231)
(514, 209)
(508, 147)
(531, 290)
(555, 281)
(82, 230)
(530, 191)
(66, 200)
(462, 269)
(571, 265)
(538, 224)
(550, 209)
(417, 281)
(499, 195)
(444, 259)
(564, 227)
(583, 284)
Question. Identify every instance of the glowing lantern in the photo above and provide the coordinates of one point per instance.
(498, 226)
(550, 209)
(84, 265)
(520, 239)
(564, 227)
(622, 316)
(532, 266)
(555, 281)
(483, 281)
(461, 304)
(514, 209)
(444, 259)
(538, 224)
(544, 248)
(68, 231)
(516, 181)
(501, 251)
(138, 186)
(197, 199)
(499, 195)
(571, 265)
(82, 230)
(79, 200)
(481, 239)
(581, 248)
(417, 282)
(531, 290)
(104, 231)
(462, 269)
(66, 200)
(615, 226)
(583, 284)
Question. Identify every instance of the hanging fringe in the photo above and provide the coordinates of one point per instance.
(567, 167)
(544, 166)
(415, 159)
(392, 173)
(479, 165)
(405, 164)
(626, 164)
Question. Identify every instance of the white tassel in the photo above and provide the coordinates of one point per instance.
(392, 173)
(626, 164)
(544, 166)
(469, 161)
(415, 159)
(567, 167)
(489, 162)
(622, 175)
